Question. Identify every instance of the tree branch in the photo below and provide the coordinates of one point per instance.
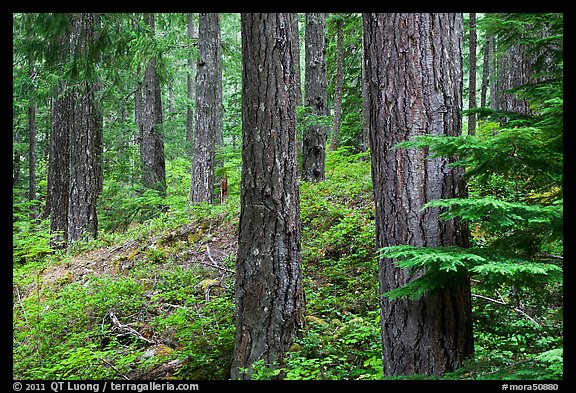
(507, 305)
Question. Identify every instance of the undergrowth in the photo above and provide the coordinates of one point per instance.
(180, 308)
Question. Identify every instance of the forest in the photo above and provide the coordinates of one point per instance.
(287, 196)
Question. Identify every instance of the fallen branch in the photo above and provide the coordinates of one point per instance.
(115, 369)
(127, 329)
(507, 305)
(214, 263)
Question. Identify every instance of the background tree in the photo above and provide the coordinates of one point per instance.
(472, 38)
(295, 29)
(315, 132)
(486, 76)
(407, 97)
(191, 30)
(339, 81)
(209, 116)
(350, 129)
(152, 137)
(269, 294)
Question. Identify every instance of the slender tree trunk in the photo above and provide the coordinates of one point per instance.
(339, 81)
(492, 72)
(32, 152)
(209, 115)
(365, 105)
(414, 80)
(314, 143)
(192, 34)
(152, 138)
(269, 292)
(485, 72)
(296, 58)
(472, 75)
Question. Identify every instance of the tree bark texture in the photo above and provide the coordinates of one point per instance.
(514, 70)
(315, 136)
(152, 136)
(296, 58)
(59, 165)
(269, 291)
(84, 167)
(84, 139)
(339, 82)
(414, 87)
(209, 114)
(472, 74)
(74, 167)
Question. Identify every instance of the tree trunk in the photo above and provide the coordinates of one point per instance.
(269, 292)
(209, 115)
(296, 58)
(59, 166)
(152, 138)
(339, 81)
(315, 135)
(84, 166)
(414, 81)
(472, 75)
(32, 152)
(365, 104)
(514, 70)
(84, 142)
(485, 71)
(295, 31)
(192, 34)
(492, 72)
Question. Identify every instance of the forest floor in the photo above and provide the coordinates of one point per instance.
(156, 299)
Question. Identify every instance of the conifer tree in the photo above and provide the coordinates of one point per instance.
(431, 334)
(268, 286)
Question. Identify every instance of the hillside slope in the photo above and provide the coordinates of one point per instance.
(158, 300)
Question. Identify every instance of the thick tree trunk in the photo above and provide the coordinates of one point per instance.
(514, 70)
(315, 136)
(152, 138)
(414, 81)
(84, 167)
(84, 139)
(209, 115)
(59, 165)
(269, 292)
(339, 82)
(472, 75)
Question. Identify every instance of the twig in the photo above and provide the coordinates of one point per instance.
(507, 305)
(214, 263)
(551, 256)
(129, 331)
(115, 369)
(175, 306)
